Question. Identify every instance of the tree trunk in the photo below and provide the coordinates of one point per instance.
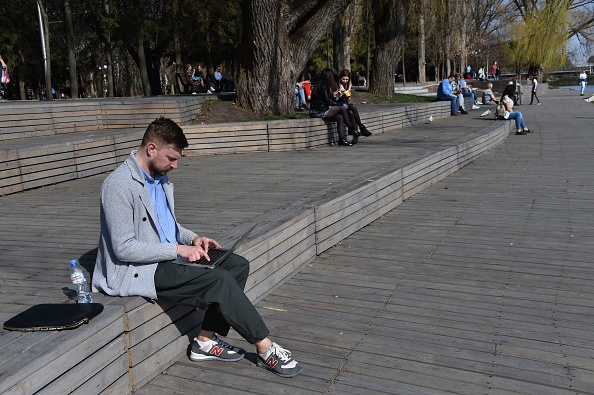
(350, 19)
(421, 43)
(109, 56)
(391, 25)
(74, 92)
(109, 59)
(153, 68)
(22, 91)
(144, 76)
(463, 13)
(448, 38)
(278, 38)
(337, 47)
(176, 45)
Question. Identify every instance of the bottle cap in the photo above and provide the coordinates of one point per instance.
(73, 262)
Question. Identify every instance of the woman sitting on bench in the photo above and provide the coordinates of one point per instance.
(194, 76)
(345, 87)
(324, 105)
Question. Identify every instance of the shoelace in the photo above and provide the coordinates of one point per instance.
(224, 344)
(282, 354)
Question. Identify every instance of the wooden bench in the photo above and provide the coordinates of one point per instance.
(227, 84)
(187, 87)
(43, 143)
(133, 340)
(27, 166)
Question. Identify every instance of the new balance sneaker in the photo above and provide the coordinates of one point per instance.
(217, 350)
(279, 361)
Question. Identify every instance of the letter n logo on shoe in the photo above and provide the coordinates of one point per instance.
(271, 362)
(216, 351)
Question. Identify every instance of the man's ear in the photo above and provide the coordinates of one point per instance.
(151, 149)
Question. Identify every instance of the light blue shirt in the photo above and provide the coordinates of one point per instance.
(445, 88)
(165, 220)
(218, 76)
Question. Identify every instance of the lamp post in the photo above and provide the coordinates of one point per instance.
(45, 49)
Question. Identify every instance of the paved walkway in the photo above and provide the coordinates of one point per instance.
(480, 284)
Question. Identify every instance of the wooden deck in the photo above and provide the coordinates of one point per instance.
(349, 306)
(481, 284)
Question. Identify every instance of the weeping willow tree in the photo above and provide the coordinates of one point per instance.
(541, 38)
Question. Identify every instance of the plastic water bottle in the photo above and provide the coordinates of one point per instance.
(79, 281)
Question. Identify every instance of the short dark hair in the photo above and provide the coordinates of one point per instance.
(165, 131)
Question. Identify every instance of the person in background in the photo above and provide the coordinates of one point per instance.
(467, 91)
(444, 92)
(345, 91)
(488, 95)
(306, 80)
(218, 79)
(324, 105)
(457, 91)
(4, 66)
(300, 102)
(140, 239)
(494, 72)
(534, 90)
(583, 82)
(194, 77)
(521, 128)
(4, 75)
(510, 91)
(481, 74)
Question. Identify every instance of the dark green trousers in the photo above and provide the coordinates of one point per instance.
(218, 290)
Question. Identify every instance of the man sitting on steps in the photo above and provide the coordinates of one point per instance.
(444, 92)
(140, 237)
(488, 95)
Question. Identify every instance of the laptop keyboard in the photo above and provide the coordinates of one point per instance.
(214, 254)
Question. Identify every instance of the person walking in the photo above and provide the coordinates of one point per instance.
(583, 82)
(534, 90)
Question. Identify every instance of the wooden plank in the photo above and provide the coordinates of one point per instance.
(109, 380)
(170, 333)
(121, 386)
(258, 189)
(110, 360)
(30, 366)
(148, 328)
(158, 362)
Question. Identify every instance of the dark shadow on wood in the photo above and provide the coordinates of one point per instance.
(87, 261)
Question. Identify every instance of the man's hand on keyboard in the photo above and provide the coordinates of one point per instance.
(198, 250)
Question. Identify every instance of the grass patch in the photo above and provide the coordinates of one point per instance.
(400, 98)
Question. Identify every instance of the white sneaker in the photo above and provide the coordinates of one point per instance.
(216, 349)
(475, 107)
(278, 360)
(212, 89)
(486, 113)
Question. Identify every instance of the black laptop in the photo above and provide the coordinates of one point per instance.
(216, 255)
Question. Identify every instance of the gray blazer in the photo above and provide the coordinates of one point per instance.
(129, 244)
